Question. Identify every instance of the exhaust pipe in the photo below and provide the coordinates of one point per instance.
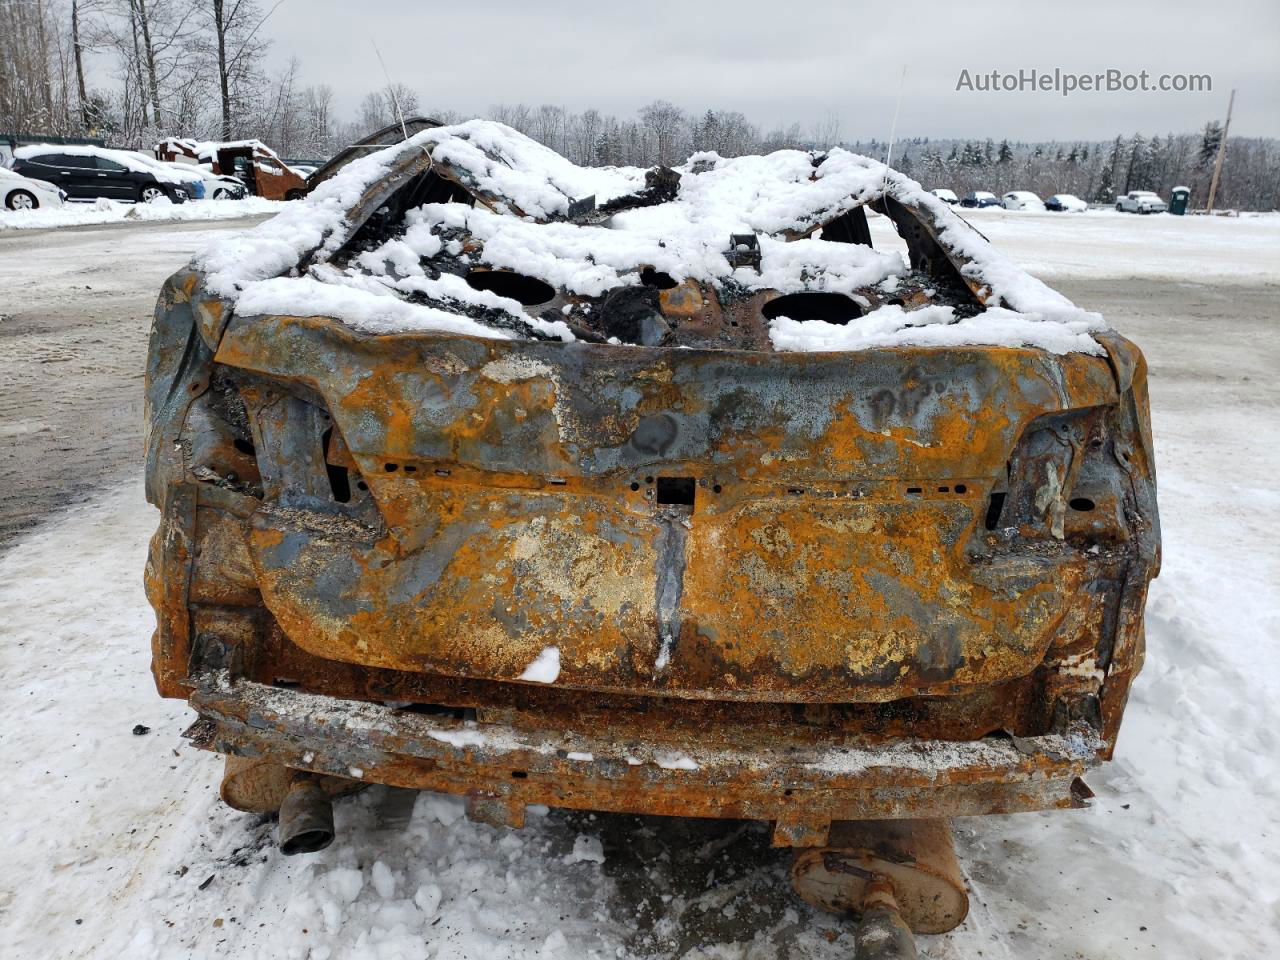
(306, 818)
(882, 933)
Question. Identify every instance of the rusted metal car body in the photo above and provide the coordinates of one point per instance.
(252, 161)
(793, 587)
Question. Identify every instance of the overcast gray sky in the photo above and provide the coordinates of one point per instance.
(780, 61)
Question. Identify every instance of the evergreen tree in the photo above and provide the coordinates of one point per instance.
(706, 136)
(1006, 152)
(1106, 191)
(1136, 172)
(1210, 140)
(1155, 163)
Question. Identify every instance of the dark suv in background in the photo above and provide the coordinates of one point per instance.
(115, 174)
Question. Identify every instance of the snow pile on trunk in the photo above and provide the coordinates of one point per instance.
(523, 194)
(891, 326)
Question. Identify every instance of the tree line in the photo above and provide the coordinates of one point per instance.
(196, 68)
(1099, 170)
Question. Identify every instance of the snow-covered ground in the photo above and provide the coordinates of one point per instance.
(1104, 243)
(104, 210)
(118, 846)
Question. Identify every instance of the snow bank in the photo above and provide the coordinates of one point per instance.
(115, 211)
(1104, 243)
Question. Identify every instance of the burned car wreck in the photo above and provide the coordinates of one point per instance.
(662, 491)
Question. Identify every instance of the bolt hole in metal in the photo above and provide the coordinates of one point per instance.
(679, 491)
(1081, 504)
(831, 307)
(529, 291)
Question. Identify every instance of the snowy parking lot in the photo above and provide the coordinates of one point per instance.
(104, 210)
(119, 847)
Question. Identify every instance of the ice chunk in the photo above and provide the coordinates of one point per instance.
(545, 668)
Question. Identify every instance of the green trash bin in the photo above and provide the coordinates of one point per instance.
(1178, 202)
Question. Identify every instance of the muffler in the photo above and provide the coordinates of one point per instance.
(896, 877)
(306, 818)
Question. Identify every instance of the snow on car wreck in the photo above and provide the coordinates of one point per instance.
(643, 490)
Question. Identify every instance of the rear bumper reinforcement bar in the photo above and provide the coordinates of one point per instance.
(501, 768)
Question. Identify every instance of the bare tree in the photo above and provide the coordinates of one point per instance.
(517, 116)
(238, 51)
(663, 120)
(78, 49)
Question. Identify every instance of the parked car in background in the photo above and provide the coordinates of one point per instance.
(87, 173)
(24, 193)
(1066, 203)
(1140, 201)
(1021, 200)
(945, 195)
(980, 198)
(251, 162)
(216, 186)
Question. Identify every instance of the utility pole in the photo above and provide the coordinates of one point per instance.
(1222, 152)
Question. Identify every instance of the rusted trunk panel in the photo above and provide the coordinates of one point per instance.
(887, 583)
(833, 546)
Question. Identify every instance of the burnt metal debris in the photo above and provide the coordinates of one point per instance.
(805, 588)
(261, 170)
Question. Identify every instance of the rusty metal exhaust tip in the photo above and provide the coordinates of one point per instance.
(306, 819)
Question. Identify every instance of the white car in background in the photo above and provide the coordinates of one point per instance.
(1021, 200)
(23, 193)
(945, 195)
(216, 185)
(1066, 203)
(1140, 201)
